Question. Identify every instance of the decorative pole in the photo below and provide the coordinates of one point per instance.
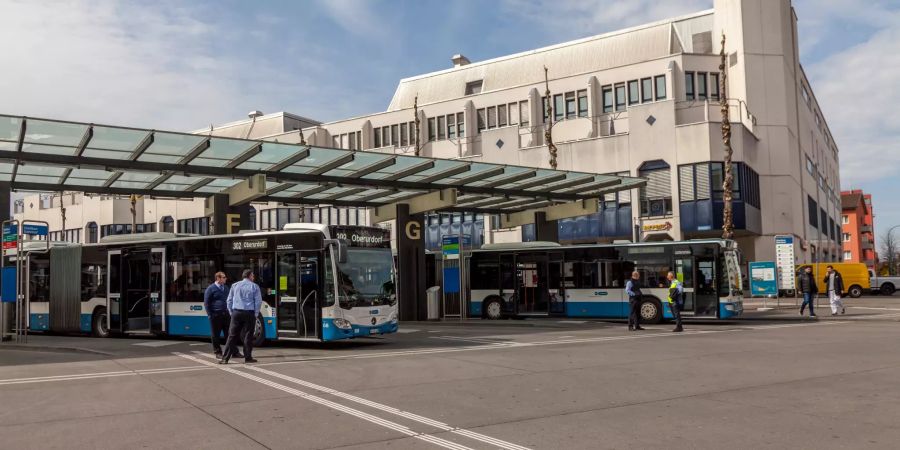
(727, 213)
(548, 132)
(416, 112)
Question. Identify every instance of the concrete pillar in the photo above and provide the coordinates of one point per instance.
(367, 136)
(545, 230)
(594, 106)
(226, 219)
(8, 312)
(411, 264)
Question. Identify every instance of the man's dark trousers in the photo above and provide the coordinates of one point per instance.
(677, 307)
(218, 325)
(634, 311)
(243, 323)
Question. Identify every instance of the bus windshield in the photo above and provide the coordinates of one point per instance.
(366, 279)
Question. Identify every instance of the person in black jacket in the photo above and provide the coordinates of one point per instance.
(834, 283)
(809, 289)
(215, 302)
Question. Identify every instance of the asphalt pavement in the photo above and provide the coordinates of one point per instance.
(773, 379)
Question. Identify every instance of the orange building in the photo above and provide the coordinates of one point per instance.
(857, 228)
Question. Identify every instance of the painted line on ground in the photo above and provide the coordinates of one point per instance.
(88, 376)
(336, 406)
(472, 340)
(156, 344)
(385, 408)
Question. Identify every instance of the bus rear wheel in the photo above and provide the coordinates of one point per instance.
(855, 291)
(493, 309)
(651, 311)
(98, 324)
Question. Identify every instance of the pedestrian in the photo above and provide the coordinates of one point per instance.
(834, 284)
(676, 300)
(244, 301)
(634, 301)
(809, 289)
(215, 302)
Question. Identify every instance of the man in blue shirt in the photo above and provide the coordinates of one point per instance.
(244, 302)
(215, 302)
(633, 289)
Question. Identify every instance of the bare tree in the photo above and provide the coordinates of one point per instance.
(134, 198)
(416, 112)
(727, 213)
(889, 249)
(548, 132)
(62, 212)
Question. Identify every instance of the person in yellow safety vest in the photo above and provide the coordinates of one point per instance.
(676, 300)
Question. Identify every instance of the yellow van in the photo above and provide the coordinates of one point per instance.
(856, 276)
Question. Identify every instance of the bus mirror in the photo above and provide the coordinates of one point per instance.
(340, 249)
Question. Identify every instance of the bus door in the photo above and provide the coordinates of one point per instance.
(157, 295)
(698, 277)
(114, 291)
(288, 305)
(684, 272)
(557, 277)
(532, 292)
(141, 293)
(310, 294)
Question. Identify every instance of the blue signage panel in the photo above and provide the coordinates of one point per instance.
(8, 285)
(34, 229)
(763, 280)
(784, 240)
(10, 229)
(451, 280)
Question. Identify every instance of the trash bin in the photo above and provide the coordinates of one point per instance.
(434, 302)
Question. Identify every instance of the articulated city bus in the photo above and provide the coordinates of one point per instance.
(318, 282)
(547, 279)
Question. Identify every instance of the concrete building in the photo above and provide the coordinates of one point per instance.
(857, 228)
(641, 101)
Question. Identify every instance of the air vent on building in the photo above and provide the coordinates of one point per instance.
(702, 42)
(460, 60)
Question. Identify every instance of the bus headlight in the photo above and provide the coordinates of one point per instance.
(729, 307)
(343, 324)
(393, 317)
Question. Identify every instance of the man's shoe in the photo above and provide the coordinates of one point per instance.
(630, 328)
(250, 361)
(223, 361)
(843, 310)
(677, 330)
(638, 328)
(238, 355)
(218, 355)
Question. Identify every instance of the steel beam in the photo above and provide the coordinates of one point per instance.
(431, 201)
(289, 161)
(409, 171)
(333, 164)
(374, 167)
(243, 157)
(142, 146)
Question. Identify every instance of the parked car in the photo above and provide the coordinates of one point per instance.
(856, 276)
(883, 285)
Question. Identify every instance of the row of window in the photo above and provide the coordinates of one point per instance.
(567, 105)
(820, 220)
(515, 113)
(820, 179)
(638, 91)
(196, 225)
(73, 235)
(125, 228)
(804, 92)
(277, 218)
(348, 141)
(448, 126)
(403, 135)
(701, 86)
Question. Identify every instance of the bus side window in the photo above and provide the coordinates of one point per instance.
(507, 273)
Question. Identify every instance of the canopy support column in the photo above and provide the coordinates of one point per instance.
(411, 264)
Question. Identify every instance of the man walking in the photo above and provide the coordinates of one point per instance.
(244, 301)
(834, 283)
(676, 300)
(634, 302)
(809, 289)
(215, 302)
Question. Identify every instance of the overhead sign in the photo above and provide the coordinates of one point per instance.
(34, 229)
(763, 282)
(450, 247)
(255, 244)
(362, 236)
(650, 227)
(784, 261)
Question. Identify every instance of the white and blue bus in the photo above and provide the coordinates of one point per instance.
(318, 282)
(548, 279)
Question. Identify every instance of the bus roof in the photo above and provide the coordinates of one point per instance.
(538, 245)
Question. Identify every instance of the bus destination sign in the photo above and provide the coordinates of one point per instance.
(362, 236)
(253, 244)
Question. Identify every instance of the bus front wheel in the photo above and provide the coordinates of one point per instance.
(98, 324)
(855, 291)
(651, 311)
(493, 310)
(259, 332)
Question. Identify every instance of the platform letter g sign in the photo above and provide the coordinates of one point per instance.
(413, 230)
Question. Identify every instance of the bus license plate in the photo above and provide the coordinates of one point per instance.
(373, 331)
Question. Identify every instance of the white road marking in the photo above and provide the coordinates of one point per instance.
(473, 340)
(407, 330)
(158, 343)
(871, 307)
(336, 406)
(572, 321)
(87, 376)
(198, 343)
(386, 408)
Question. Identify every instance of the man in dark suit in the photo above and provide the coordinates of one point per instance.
(215, 302)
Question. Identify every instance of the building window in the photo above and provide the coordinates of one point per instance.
(607, 99)
(813, 212)
(404, 135)
(646, 90)
(702, 92)
(660, 87)
(656, 196)
(502, 116)
(714, 86)
(524, 114)
(460, 125)
(441, 128)
(395, 137)
(846, 237)
(634, 94)
(197, 225)
(513, 109)
(376, 134)
(845, 219)
(689, 85)
(810, 167)
(167, 225)
(582, 103)
(570, 105)
(804, 92)
(481, 119)
(694, 182)
(620, 97)
(557, 107)
(451, 126)
(474, 87)
(848, 256)
(385, 136)
(91, 233)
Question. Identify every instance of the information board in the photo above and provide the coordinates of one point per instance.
(10, 237)
(34, 229)
(784, 261)
(763, 282)
(450, 247)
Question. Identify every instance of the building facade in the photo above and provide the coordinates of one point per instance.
(643, 101)
(858, 228)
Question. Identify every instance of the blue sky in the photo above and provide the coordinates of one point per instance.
(186, 65)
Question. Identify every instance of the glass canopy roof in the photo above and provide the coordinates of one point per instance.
(51, 155)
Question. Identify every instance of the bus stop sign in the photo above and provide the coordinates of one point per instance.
(34, 229)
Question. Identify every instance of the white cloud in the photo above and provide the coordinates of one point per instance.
(856, 89)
